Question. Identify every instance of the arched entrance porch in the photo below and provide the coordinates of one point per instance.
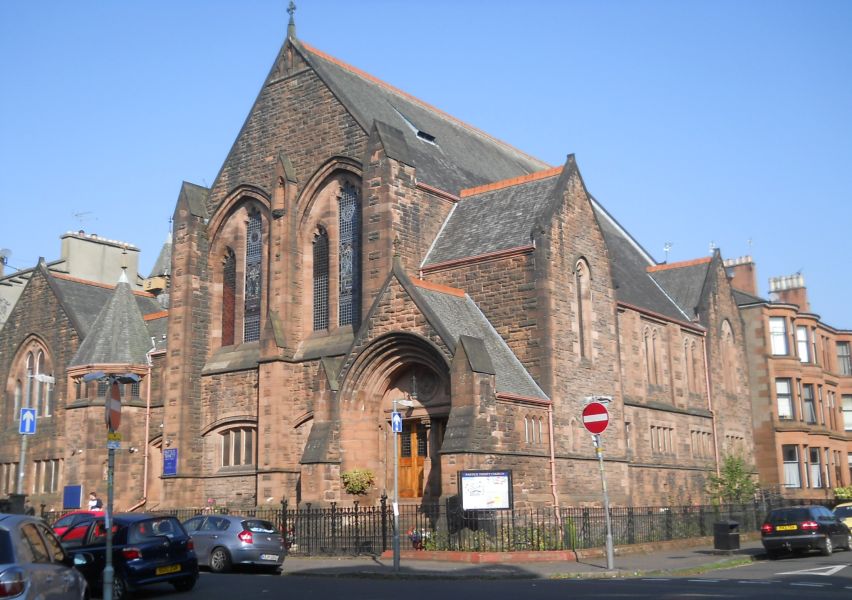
(401, 366)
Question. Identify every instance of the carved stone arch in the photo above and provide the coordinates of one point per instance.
(246, 209)
(580, 259)
(384, 358)
(397, 365)
(239, 196)
(310, 192)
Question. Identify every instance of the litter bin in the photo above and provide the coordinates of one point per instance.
(726, 535)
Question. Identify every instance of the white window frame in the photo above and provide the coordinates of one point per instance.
(778, 336)
(792, 475)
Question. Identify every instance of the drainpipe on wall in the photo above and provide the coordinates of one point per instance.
(710, 404)
(553, 467)
(144, 498)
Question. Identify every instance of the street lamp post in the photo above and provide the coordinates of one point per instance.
(394, 418)
(113, 415)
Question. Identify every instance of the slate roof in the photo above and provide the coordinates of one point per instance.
(460, 316)
(743, 298)
(684, 284)
(196, 198)
(629, 263)
(459, 156)
(118, 335)
(492, 221)
(163, 264)
(84, 300)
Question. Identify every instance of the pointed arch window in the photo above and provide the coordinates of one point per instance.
(320, 252)
(349, 211)
(584, 307)
(651, 357)
(688, 365)
(19, 394)
(29, 382)
(253, 281)
(728, 363)
(229, 296)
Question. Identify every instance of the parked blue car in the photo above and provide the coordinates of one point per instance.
(147, 549)
(33, 566)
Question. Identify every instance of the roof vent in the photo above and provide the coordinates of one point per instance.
(426, 137)
(421, 135)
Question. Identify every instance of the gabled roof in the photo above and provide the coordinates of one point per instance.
(494, 219)
(744, 298)
(447, 153)
(163, 265)
(84, 300)
(118, 335)
(629, 264)
(457, 315)
(683, 282)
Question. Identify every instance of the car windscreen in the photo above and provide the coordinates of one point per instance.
(789, 515)
(258, 526)
(843, 512)
(145, 531)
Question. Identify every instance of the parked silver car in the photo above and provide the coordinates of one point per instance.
(222, 541)
(33, 564)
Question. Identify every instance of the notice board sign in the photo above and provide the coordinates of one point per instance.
(486, 490)
(170, 460)
(72, 497)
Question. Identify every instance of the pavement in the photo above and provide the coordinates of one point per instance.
(686, 557)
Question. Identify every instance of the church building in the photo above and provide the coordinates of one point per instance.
(360, 251)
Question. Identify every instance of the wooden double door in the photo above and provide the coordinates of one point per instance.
(417, 449)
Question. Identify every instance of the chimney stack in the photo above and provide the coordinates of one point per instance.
(743, 274)
(790, 289)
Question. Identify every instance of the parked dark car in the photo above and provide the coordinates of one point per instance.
(225, 540)
(33, 564)
(803, 528)
(147, 549)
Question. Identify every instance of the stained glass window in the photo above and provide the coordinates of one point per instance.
(254, 252)
(349, 254)
(229, 293)
(321, 281)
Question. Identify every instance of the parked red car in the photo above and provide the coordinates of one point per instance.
(71, 519)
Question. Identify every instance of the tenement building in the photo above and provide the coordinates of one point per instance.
(800, 373)
(360, 250)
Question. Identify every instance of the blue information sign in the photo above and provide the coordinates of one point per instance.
(28, 421)
(396, 422)
(170, 459)
(72, 497)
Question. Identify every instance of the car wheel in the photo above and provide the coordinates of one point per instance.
(828, 548)
(220, 561)
(119, 589)
(848, 545)
(184, 585)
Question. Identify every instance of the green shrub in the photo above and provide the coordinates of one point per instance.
(843, 493)
(357, 481)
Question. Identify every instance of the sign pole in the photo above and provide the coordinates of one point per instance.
(609, 550)
(109, 571)
(21, 470)
(395, 495)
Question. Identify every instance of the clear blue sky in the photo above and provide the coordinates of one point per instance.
(693, 122)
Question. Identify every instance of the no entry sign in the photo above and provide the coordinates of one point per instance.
(595, 417)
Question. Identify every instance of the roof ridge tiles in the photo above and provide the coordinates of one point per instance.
(98, 284)
(679, 265)
(154, 316)
(437, 287)
(512, 181)
(373, 79)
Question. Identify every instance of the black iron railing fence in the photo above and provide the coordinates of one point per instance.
(443, 525)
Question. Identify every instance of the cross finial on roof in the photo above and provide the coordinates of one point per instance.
(291, 26)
